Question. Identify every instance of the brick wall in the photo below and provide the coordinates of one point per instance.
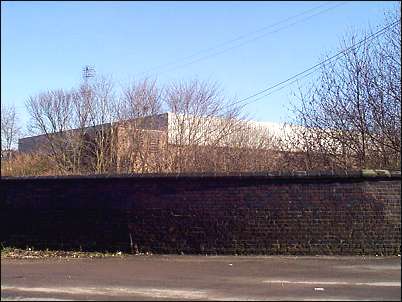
(232, 214)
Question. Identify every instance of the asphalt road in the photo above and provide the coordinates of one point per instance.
(171, 277)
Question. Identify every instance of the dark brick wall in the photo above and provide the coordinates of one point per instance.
(238, 214)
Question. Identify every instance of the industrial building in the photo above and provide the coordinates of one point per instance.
(152, 134)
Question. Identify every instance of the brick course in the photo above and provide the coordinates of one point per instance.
(207, 214)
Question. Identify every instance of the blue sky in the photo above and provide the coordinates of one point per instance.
(44, 45)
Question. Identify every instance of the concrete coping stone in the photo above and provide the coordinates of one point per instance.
(366, 173)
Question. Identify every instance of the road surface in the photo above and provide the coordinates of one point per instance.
(170, 277)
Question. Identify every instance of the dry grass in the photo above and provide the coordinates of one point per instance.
(28, 165)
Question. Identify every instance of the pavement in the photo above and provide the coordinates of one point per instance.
(171, 277)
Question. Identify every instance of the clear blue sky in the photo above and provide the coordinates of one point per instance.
(44, 45)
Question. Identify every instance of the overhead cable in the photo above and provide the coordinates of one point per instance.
(242, 37)
(312, 69)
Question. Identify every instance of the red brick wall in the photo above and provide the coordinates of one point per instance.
(238, 214)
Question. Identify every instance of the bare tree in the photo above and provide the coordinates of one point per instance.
(51, 115)
(352, 112)
(201, 118)
(102, 113)
(139, 99)
(10, 129)
(76, 126)
(140, 137)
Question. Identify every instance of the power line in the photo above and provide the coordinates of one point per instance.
(244, 36)
(251, 40)
(235, 39)
(313, 68)
(278, 89)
